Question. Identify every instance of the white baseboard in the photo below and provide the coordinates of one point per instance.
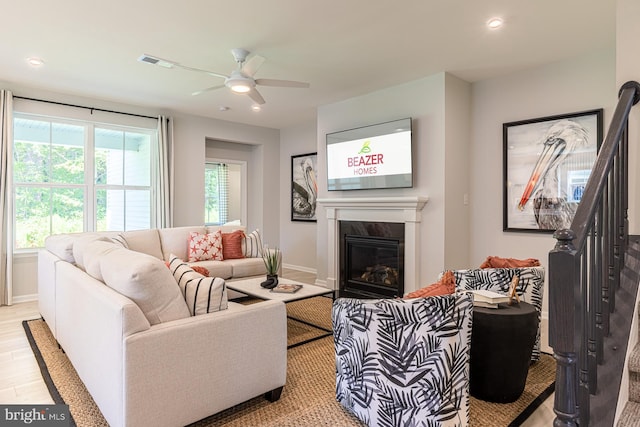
(301, 268)
(24, 298)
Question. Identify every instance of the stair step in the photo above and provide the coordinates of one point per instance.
(630, 416)
(634, 374)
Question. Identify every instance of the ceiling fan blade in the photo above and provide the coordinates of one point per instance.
(255, 95)
(209, 89)
(252, 65)
(281, 83)
(166, 63)
(200, 70)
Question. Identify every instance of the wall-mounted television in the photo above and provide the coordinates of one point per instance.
(369, 157)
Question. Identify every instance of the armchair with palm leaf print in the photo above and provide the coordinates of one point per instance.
(530, 287)
(404, 362)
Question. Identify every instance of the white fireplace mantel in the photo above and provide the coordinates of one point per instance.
(407, 210)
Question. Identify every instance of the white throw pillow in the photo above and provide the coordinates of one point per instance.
(146, 281)
(202, 294)
(253, 244)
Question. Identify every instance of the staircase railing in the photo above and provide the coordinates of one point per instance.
(585, 271)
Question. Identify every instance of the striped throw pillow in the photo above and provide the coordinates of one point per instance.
(202, 294)
(253, 244)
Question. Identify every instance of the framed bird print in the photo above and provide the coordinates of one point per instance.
(304, 188)
(547, 162)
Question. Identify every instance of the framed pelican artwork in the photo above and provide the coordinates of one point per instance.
(547, 162)
(304, 187)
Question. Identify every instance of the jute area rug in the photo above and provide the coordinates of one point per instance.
(308, 398)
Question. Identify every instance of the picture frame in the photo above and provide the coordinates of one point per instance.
(304, 187)
(547, 162)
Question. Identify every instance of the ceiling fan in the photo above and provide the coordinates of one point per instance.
(239, 81)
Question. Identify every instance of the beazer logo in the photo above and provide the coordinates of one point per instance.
(365, 148)
(365, 162)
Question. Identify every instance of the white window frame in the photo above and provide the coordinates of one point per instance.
(89, 186)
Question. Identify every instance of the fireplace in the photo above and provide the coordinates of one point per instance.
(371, 259)
(406, 211)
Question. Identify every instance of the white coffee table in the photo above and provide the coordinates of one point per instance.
(251, 287)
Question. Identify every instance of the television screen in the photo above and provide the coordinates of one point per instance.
(377, 156)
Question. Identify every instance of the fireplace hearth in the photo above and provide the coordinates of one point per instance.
(371, 259)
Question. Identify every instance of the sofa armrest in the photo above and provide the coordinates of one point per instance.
(218, 359)
(92, 320)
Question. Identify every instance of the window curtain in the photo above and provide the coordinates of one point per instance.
(223, 193)
(6, 241)
(165, 173)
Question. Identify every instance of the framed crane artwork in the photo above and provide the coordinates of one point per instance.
(547, 162)
(304, 187)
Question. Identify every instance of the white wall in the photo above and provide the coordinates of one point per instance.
(190, 133)
(578, 84)
(628, 68)
(424, 101)
(297, 238)
(458, 132)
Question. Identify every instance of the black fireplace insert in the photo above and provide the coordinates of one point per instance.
(371, 259)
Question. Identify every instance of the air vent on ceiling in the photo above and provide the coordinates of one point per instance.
(155, 61)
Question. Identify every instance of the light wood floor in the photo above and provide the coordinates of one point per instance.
(21, 381)
(20, 378)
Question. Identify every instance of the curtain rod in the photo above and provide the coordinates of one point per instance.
(88, 108)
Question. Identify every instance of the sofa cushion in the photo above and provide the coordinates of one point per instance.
(61, 245)
(80, 245)
(176, 240)
(146, 281)
(253, 244)
(232, 245)
(246, 267)
(120, 240)
(222, 269)
(93, 252)
(202, 294)
(145, 241)
(203, 247)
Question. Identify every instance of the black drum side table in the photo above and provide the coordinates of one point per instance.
(502, 340)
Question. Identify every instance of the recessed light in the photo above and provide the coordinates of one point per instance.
(35, 62)
(256, 107)
(223, 108)
(494, 23)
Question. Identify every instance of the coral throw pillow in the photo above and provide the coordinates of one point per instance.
(232, 245)
(446, 286)
(203, 247)
(200, 270)
(497, 262)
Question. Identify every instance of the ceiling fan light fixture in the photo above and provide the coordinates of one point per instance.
(495, 23)
(239, 83)
(239, 87)
(35, 61)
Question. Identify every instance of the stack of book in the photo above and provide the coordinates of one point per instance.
(487, 299)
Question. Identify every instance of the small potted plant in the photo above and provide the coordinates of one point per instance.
(272, 259)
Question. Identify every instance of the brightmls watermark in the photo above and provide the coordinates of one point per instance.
(35, 415)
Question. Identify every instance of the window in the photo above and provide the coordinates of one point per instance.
(216, 193)
(73, 176)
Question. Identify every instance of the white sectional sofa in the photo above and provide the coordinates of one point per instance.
(166, 368)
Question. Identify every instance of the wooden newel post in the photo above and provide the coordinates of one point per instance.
(563, 279)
